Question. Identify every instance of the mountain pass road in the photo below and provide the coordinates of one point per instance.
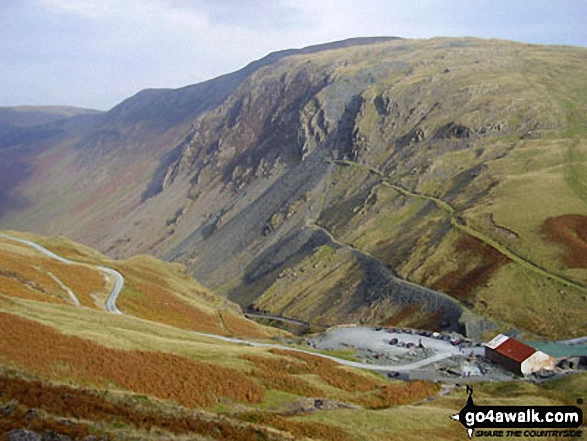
(110, 273)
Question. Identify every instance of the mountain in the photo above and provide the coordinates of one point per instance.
(26, 116)
(433, 183)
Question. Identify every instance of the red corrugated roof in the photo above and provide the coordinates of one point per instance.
(514, 349)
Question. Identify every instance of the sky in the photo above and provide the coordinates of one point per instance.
(96, 53)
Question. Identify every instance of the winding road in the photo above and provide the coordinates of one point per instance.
(118, 284)
(108, 272)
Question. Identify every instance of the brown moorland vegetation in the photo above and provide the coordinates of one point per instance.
(41, 350)
(18, 417)
(397, 394)
(403, 314)
(569, 231)
(67, 249)
(19, 396)
(165, 293)
(330, 372)
(21, 277)
(280, 373)
(15, 284)
(379, 393)
(32, 270)
(147, 295)
(415, 317)
(477, 262)
(300, 429)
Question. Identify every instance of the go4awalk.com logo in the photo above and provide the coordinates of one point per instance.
(518, 421)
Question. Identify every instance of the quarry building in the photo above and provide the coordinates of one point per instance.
(516, 356)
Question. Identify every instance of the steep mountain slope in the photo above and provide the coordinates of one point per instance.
(306, 183)
(59, 176)
(25, 126)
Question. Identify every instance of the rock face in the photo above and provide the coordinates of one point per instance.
(23, 435)
(312, 183)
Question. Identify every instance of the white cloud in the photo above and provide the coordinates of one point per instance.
(98, 52)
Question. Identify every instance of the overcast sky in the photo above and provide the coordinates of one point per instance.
(95, 53)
